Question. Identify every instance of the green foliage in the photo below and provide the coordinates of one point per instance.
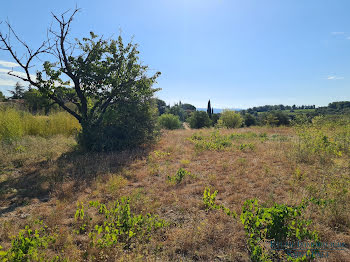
(230, 119)
(213, 142)
(123, 126)
(161, 105)
(244, 147)
(275, 118)
(18, 92)
(37, 102)
(188, 107)
(322, 140)
(180, 176)
(335, 108)
(219, 142)
(30, 245)
(209, 203)
(117, 225)
(209, 109)
(177, 110)
(15, 124)
(214, 119)
(112, 91)
(199, 119)
(279, 223)
(2, 97)
(249, 120)
(169, 121)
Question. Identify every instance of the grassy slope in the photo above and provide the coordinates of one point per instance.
(40, 178)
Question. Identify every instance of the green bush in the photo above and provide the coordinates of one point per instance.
(277, 224)
(169, 121)
(199, 119)
(124, 126)
(230, 119)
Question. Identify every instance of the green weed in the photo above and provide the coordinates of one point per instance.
(30, 245)
(209, 203)
(118, 225)
(180, 175)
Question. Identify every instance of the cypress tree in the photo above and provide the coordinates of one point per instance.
(209, 109)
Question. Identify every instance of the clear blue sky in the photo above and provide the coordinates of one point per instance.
(236, 53)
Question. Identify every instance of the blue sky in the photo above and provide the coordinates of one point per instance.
(236, 53)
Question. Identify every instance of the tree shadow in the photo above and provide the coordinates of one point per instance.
(45, 178)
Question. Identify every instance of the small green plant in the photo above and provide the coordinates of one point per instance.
(209, 203)
(160, 154)
(30, 245)
(277, 224)
(180, 175)
(244, 147)
(119, 225)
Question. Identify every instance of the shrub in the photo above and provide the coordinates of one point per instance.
(126, 125)
(199, 119)
(278, 224)
(230, 119)
(169, 121)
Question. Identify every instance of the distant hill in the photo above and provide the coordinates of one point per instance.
(219, 110)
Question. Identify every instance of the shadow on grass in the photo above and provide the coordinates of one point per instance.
(43, 179)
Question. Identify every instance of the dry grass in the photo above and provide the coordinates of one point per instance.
(270, 172)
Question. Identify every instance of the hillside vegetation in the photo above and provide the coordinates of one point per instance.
(190, 197)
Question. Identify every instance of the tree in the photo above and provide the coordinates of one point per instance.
(2, 97)
(161, 105)
(209, 111)
(18, 92)
(101, 77)
(35, 101)
(249, 120)
(177, 110)
(199, 119)
(188, 107)
(215, 118)
(230, 119)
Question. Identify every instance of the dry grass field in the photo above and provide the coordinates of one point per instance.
(46, 179)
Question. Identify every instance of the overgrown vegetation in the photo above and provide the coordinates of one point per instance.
(15, 124)
(118, 225)
(280, 166)
(277, 225)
